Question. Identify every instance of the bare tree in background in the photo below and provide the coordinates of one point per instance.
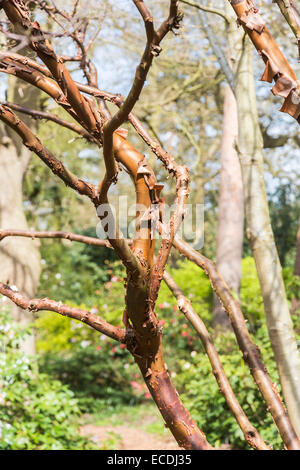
(19, 259)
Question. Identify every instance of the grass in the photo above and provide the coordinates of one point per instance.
(145, 416)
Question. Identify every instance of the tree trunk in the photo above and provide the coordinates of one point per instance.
(261, 238)
(19, 258)
(230, 210)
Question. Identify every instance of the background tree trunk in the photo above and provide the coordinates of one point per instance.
(19, 258)
(261, 238)
(230, 209)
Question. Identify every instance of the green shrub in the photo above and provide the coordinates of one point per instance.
(96, 373)
(36, 412)
(201, 395)
(100, 372)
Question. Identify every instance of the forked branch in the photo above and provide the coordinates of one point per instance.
(251, 352)
(252, 436)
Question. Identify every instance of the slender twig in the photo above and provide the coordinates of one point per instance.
(207, 9)
(207, 27)
(18, 14)
(54, 234)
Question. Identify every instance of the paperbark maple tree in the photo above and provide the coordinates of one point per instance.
(86, 104)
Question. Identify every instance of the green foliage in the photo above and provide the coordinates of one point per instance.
(200, 393)
(81, 269)
(100, 371)
(96, 372)
(195, 285)
(251, 298)
(284, 212)
(36, 412)
(292, 283)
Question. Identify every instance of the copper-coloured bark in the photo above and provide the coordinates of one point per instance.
(252, 436)
(251, 352)
(156, 377)
(23, 71)
(50, 117)
(35, 305)
(144, 196)
(143, 332)
(183, 428)
(277, 66)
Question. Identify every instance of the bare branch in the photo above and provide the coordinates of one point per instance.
(56, 234)
(251, 434)
(251, 352)
(36, 114)
(35, 305)
(207, 27)
(34, 144)
(207, 9)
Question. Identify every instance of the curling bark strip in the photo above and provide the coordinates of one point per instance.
(250, 350)
(277, 67)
